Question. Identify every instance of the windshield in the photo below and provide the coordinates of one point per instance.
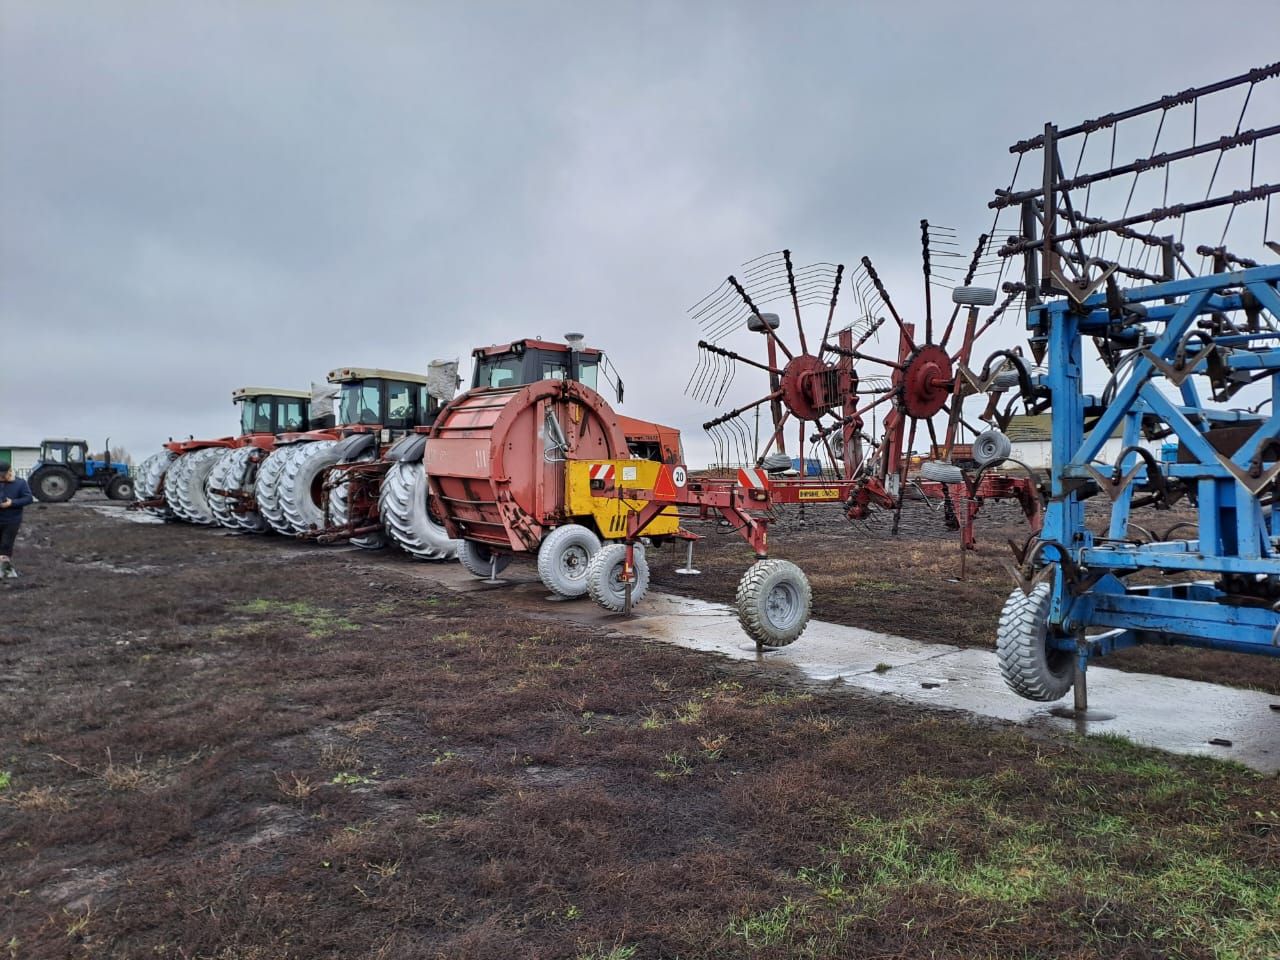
(359, 403)
(255, 415)
(499, 372)
(53, 453)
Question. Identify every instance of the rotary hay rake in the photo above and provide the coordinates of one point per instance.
(1189, 359)
(850, 415)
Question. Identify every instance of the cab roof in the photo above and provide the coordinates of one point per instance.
(347, 374)
(243, 393)
(529, 343)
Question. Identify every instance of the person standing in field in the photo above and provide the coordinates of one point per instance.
(14, 495)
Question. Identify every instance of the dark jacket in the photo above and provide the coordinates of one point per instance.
(17, 491)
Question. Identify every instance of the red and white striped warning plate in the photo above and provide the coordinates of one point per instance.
(602, 471)
(753, 477)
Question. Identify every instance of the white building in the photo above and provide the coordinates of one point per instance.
(22, 458)
(1030, 438)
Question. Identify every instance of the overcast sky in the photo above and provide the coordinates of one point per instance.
(197, 196)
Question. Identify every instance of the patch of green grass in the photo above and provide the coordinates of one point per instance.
(6, 778)
(318, 621)
(882, 668)
(618, 951)
(348, 779)
(770, 928)
(675, 764)
(986, 841)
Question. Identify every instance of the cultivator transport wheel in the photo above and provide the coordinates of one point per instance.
(406, 514)
(185, 490)
(119, 488)
(1029, 667)
(54, 485)
(339, 497)
(481, 560)
(563, 558)
(234, 472)
(266, 488)
(604, 576)
(151, 476)
(300, 483)
(774, 601)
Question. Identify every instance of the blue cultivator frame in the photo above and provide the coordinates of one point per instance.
(1193, 395)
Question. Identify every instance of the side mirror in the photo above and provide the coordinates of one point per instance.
(973, 296)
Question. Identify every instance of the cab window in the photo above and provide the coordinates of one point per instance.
(588, 370)
(399, 404)
(498, 372)
(290, 415)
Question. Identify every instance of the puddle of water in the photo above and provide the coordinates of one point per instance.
(1180, 716)
(120, 512)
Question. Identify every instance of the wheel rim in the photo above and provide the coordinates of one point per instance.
(782, 606)
(55, 486)
(573, 563)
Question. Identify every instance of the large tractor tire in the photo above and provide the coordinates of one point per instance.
(151, 480)
(266, 488)
(185, 488)
(604, 576)
(563, 558)
(774, 601)
(237, 471)
(54, 485)
(300, 485)
(480, 559)
(406, 514)
(1029, 666)
(119, 487)
(339, 498)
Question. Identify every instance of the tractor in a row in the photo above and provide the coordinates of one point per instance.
(66, 466)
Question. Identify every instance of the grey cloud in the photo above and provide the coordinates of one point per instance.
(198, 196)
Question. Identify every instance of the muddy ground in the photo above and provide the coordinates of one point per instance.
(218, 746)
(911, 584)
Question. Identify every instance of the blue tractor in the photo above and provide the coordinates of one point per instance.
(66, 466)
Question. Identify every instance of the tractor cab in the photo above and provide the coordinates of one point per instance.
(522, 362)
(370, 400)
(268, 411)
(65, 452)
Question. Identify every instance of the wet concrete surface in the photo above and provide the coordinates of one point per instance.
(1180, 716)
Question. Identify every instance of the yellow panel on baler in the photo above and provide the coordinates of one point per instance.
(610, 512)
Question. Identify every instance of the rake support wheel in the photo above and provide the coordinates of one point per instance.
(774, 601)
